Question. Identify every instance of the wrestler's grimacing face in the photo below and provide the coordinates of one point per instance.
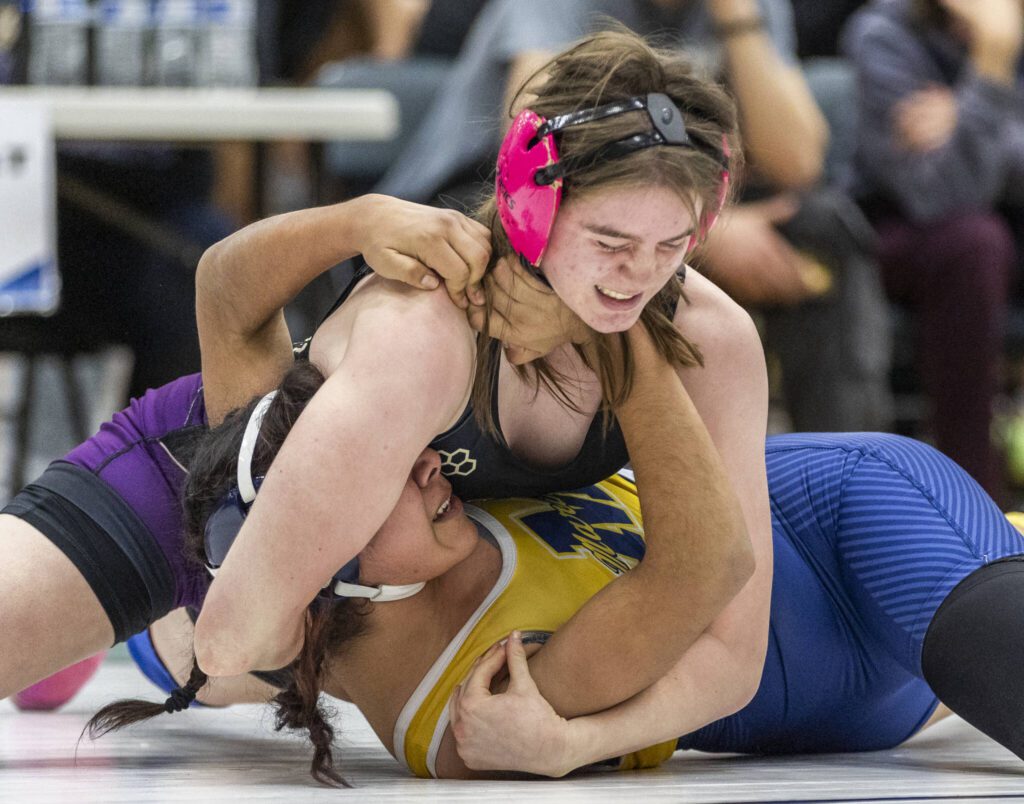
(611, 251)
(426, 533)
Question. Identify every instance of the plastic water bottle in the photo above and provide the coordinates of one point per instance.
(175, 37)
(59, 32)
(227, 44)
(119, 54)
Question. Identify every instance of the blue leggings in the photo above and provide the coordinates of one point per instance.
(871, 533)
(141, 649)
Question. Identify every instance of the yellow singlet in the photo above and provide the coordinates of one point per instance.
(557, 552)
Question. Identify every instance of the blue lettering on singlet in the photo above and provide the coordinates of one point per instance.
(591, 521)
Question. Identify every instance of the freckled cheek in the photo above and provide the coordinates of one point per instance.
(572, 281)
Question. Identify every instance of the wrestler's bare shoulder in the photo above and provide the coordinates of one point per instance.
(383, 311)
(714, 322)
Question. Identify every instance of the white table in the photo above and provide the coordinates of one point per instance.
(204, 115)
(192, 115)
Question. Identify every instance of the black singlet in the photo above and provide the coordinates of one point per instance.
(479, 465)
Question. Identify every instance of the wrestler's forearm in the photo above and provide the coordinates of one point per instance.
(700, 689)
(242, 286)
(698, 554)
(690, 509)
(245, 280)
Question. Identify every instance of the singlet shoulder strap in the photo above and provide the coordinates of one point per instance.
(362, 271)
(301, 349)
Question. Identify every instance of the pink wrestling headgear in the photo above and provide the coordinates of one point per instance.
(529, 176)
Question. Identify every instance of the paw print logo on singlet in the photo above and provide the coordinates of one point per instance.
(457, 463)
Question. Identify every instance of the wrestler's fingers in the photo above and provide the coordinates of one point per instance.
(477, 230)
(478, 682)
(475, 249)
(500, 322)
(446, 261)
(520, 679)
(477, 316)
(393, 264)
(497, 325)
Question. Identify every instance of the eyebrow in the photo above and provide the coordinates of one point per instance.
(608, 231)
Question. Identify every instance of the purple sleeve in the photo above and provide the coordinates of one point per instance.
(966, 174)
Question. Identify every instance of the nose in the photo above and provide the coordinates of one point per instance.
(641, 268)
(426, 468)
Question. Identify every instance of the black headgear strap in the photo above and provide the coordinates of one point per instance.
(669, 129)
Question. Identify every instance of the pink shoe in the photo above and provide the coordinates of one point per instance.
(56, 690)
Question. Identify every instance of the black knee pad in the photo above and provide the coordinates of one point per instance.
(973, 654)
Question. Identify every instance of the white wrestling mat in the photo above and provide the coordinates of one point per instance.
(234, 755)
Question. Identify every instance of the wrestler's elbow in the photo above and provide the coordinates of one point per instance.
(731, 570)
(739, 564)
(224, 649)
(742, 636)
(738, 680)
(217, 656)
(745, 668)
(211, 294)
(748, 684)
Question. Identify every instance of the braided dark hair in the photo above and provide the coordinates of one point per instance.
(329, 624)
(119, 714)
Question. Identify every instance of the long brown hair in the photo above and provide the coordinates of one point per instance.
(608, 66)
(329, 624)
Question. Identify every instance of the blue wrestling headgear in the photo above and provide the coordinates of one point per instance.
(225, 522)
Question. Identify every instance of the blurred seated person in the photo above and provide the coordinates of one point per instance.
(118, 287)
(824, 309)
(396, 45)
(297, 40)
(940, 171)
(132, 221)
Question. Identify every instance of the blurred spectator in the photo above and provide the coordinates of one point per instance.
(799, 259)
(402, 46)
(940, 172)
(123, 289)
(129, 219)
(819, 23)
(300, 37)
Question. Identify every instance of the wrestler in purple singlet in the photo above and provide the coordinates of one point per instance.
(129, 455)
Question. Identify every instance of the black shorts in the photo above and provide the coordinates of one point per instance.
(106, 541)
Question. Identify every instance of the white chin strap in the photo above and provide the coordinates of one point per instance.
(384, 593)
(246, 490)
